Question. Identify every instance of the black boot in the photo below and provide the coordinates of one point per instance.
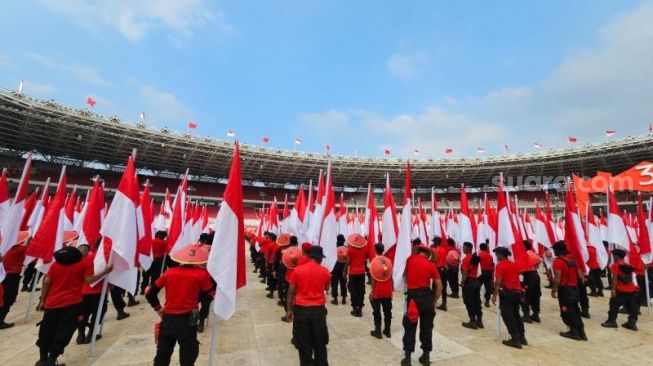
(536, 317)
(522, 340)
(344, 300)
(122, 315)
(425, 359)
(200, 326)
(376, 333)
(581, 333)
(527, 319)
(43, 356)
(334, 301)
(471, 324)
(513, 342)
(406, 360)
(442, 307)
(630, 325)
(80, 336)
(386, 329)
(585, 313)
(479, 321)
(487, 303)
(610, 323)
(572, 333)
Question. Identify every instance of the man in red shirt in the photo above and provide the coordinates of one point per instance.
(381, 297)
(13, 265)
(159, 246)
(487, 269)
(184, 285)
(440, 252)
(471, 287)
(61, 298)
(306, 300)
(357, 254)
(565, 289)
(507, 286)
(453, 270)
(532, 289)
(90, 299)
(624, 292)
(594, 279)
(421, 276)
(270, 252)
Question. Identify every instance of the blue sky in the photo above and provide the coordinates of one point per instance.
(361, 76)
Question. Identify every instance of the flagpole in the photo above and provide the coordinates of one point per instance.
(35, 281)
(214, 335)
(98, 314)
(648, 293)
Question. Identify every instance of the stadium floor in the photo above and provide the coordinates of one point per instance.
(256, 336)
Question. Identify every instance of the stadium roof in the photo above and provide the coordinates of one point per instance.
(79, 137)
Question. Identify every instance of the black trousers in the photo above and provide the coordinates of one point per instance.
(152, 274)
(11, 286)
(88, 313)
(357, 290)
(583, 299)
(509, 301)
(57, 328)
(177, 329)
(117, 298)
(282, 288)
(532, 293)
(641, 281)
(569, 309)
(630, 301)
(272, 282)
(594, 281)
(486, 281)
(386, 305)
(338, 280)
(311, 335)
(444, 279)
(452, 278)
(29, 275)
(424, 300)
(472, 298)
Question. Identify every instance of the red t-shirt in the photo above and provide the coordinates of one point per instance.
(487, 262)
(420, 271)
(592, 262)
(159, 247)
(357, 258)
(65, 285)
(13, 260)
(441, 255)
(310, 280)
(90, 272)
(466, 265)
(568, 275)
(621, 286)
(382, 289)
(273, 249)
(508, 272)
(183, 286)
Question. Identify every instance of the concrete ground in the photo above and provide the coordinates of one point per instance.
(256, 336)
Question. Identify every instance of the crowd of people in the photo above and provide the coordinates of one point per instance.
(71, 291)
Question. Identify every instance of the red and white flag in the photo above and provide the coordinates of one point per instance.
(480, 150)
(30, 204)
(69, 218)
(329, 228)
(92, 221)
(49, 237)
(205, 220)
(317, 215)
(436, 228)
(265, 140)
(36, 217)
(227, 257)
(390, 226)
(594, 239)
(274, 218)
(297, 213)
(160, 220)
(122, 228)
(465, 219)
(643, 235)
(167, 205)
(178, 237)
(327, 147)
(90, 102)
(386, 151)
(617, 233)
(5, 202)
(507, 234)
(371, 223)
(298, 141)
(574, 233)
(231, 133)
(571, 140)
(144, 246)
(448, 150)
(343, 224)
(537, 145)
(404, 244)
(192, 125)
(610, 133)
(541, 232)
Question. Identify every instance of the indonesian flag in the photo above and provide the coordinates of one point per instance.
(298, 141)
(617, 233)
(507, 235)
(480, 150)
(69, 218)
(390, 227)
(465, 219)
(273, 219)
(537, 145)
(167, 205)
(343, 225)
(266, 140)
(205, 220)
(227, 258)
(404, 245)
(192, 125)
(435, 229)
(541, 233)
(643, 236)
(90, 101)
(574, 233)
(610, 133)
(296, 218)
(92, 220)
(490, 218)
(308, 214)
(317, 215)
(386, 151)
(603, 226)
(371, 222)
(144, 246)
(284, 215)
(36, 217)
(14, 215)
(30, 204)
(481, 231)
(448, 150)
(49, 237)
(550, 224)
(423, 224)
(329, 228)
(196, 223)
(594, 239)
(231, 133)
(122, 228)
(160, 221)
(176, 238)
(571, 140)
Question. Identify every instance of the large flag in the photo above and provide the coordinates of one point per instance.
(390, 227)
(541, 232)
(297, 214)
(92, 221)
(507, 235)
(643, 237)
(422, 226)
(160, 221)
(122, 228)
(371, 222)
(435, 229)
(617, 232)
(49, 237)
(5, 202)
(144, 246)
(167, 205)
(404, 245)
(36, 217)
(317, 214)
(30, 204)
(69, 218)
(343, 215)
(550, 227)
(227, 257)
(274, 218)
(574, 233)
(176, 236)
(465, 219)
(329, 228)
(594, 239)
(308, 215)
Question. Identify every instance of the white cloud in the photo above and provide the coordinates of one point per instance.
(79, 72)
(134, 19)
(160, 106)
(407, 65)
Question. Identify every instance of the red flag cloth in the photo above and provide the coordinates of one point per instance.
(90, 101)
(386, 151)
(571, 139)
(643, 237)
(609, 133)
(448, 150)
(574, 233)
(266, 140)
(90, 232)
(227, 257)
(144, 245)
(192, 125)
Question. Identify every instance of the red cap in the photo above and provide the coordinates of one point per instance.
(306, 247)
(191, 254)
(283, 239)
(356, 240)
(381, 268)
